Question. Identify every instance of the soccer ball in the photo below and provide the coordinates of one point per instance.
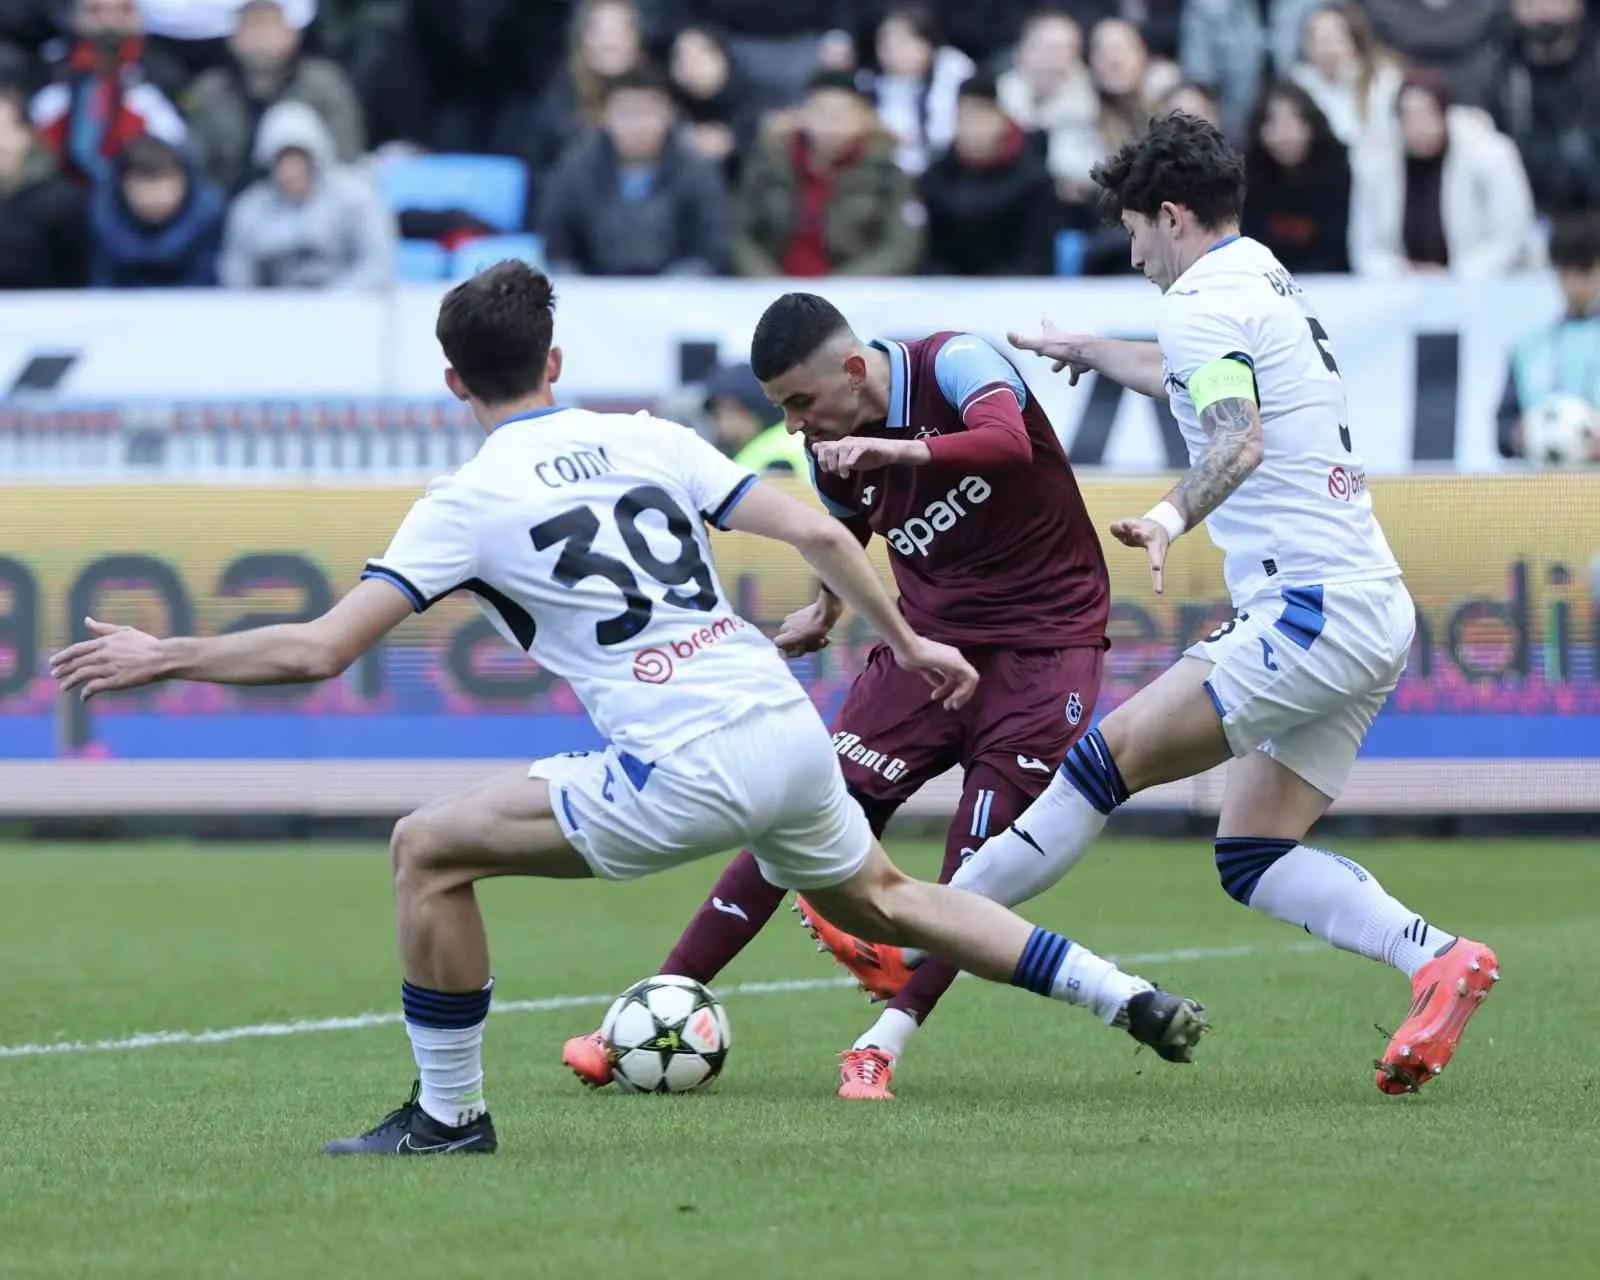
(1561, 431)
(666, 1034)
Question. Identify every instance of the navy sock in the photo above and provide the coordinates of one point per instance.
(1093, 773)
(446, 1010)
(1243, 860)
(1041, 961)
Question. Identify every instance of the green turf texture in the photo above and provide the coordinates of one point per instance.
(1027, 1140)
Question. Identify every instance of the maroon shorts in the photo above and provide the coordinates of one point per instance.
(1031, 705)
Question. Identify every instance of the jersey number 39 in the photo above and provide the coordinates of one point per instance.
(579, 560)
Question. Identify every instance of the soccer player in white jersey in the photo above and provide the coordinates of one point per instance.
(1289, 686)
(582, 537)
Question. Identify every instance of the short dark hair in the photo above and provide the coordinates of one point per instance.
(1181, 159)
(982, 85)
(840, 81)
(641, 76)
(1575, 241)
(496, 330)
(791, 331)
(148, 157)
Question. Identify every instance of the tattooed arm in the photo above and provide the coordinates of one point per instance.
(1232, 453)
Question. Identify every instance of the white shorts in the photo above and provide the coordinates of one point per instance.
(1302, 674)
(769, 781)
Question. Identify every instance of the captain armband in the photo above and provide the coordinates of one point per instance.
(1228, 378)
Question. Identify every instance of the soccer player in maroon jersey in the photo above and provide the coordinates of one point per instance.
(936, 446)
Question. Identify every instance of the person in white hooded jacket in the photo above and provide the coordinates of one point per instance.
(310, 223)
(1445, 192)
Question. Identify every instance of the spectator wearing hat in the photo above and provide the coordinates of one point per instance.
(157, 224)
(632, 197)
(823, 195)
(743, 426)
(989, 197)
(266, 65)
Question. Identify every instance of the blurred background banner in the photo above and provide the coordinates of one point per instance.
(128, 385)
(1500, 709)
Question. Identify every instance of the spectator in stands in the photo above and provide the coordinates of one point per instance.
(1128, 84)
(988, 32)
(43, 234)
(226, 105)
(633, 198)
(777, 44)
(991, 210)
(1050, 90)
(1548, 101)
(1459, 38)
(1352, 78)
(26, 27)
(747, 428)
(193, 34)
(102, 96)
(157, 224)
(1448, 194)
(713, 99)
(916, 83)
(1192, 100)
(604, 43)
(1298, 197)
(822, 193)
(1564, 357)
(310, 223)
(1224, 44)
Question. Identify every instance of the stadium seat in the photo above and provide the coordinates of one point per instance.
(1070, 249)
(421, 260)
(494, 188)
(475, 255)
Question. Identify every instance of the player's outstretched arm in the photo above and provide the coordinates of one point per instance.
(1233, 451)
(832, 550)
(288, 653)
(1136, 365)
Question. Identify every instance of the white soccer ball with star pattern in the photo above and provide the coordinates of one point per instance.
(666, 1034)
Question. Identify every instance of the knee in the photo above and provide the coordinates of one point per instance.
(1243, 860)
(411, 853)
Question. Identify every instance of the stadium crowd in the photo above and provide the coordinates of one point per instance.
(234, 142)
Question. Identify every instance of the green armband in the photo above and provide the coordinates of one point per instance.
(1226, 379)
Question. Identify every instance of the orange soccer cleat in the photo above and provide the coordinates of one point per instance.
(1445, 993)
(880, 970)
(864, 1075)
(589, 1059)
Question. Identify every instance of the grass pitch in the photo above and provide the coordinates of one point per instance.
(1026, 1141)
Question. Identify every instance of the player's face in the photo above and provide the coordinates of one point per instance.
(1153, 245)
(1580, 286)
(820, 399)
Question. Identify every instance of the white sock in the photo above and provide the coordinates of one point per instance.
(446, 1031)
(1095, 983)
(890, 1033)
(1342, 902)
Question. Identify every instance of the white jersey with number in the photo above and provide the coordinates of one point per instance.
(1304, 517)
(582, 537)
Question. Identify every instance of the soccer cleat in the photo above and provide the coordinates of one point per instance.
(881, 970)
(408, 1130)
(864, 1075)
(589, 1059)
(1170, 1024)
(1445, 993)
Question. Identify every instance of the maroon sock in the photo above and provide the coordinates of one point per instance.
(739, 906)
(933, 976)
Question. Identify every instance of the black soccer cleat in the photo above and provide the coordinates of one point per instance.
(408, 1130)
(1170, 1024)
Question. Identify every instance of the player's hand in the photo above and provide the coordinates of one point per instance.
(1067, 350)
(112, 658)
(1149, 535)
(806, 630)
(942, 666)
(861, 453)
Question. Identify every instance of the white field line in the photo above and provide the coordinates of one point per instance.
(361, 1021)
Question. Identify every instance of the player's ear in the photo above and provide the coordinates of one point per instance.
(552, 366)
(1169, 215)
(458, 388)
(855, 368)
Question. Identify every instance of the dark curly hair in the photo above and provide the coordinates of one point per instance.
(1181, 159)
